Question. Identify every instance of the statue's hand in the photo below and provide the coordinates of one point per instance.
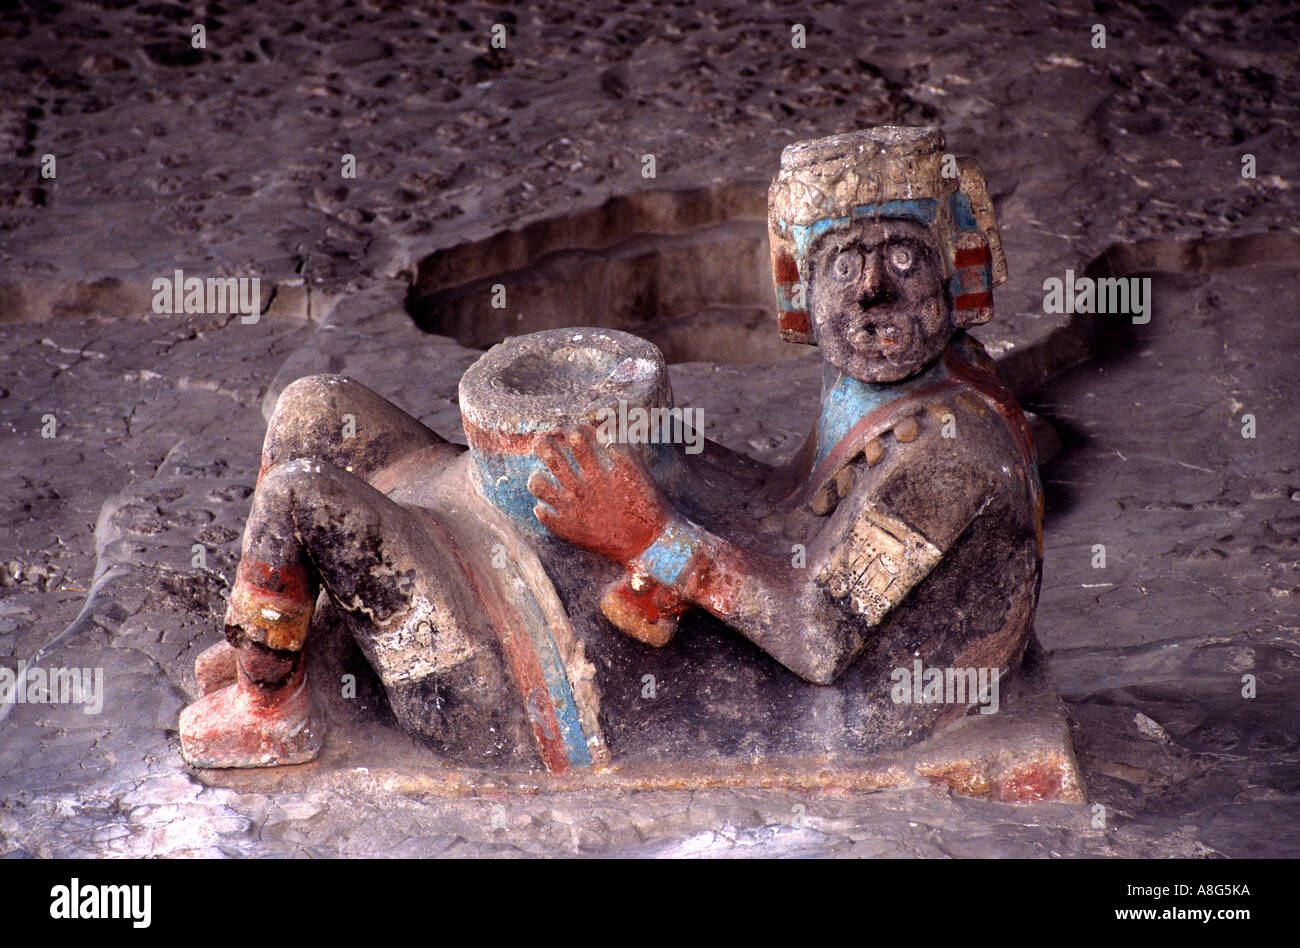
(609, 504)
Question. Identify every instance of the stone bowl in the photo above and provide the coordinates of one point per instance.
(555, 380)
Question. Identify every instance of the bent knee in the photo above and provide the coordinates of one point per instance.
(314, 386)
(310, 481)
(307, 418)
(312, 395)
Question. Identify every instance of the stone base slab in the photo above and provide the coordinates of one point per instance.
(1021, 754)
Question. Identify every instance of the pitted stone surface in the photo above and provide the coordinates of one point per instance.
(226, 161)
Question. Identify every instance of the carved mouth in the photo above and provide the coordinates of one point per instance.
(875, 340)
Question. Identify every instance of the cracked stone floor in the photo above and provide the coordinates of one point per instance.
(224, 161)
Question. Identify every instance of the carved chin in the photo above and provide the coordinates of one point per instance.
(899, 342)
(892, 368)
(893, 364)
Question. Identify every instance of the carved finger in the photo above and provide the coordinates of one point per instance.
(549, 518)
(551, 454)
(587, 452)
(547, 491)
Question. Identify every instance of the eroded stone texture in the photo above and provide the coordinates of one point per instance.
(1082, 148)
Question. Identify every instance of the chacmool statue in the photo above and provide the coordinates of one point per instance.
(515, 597)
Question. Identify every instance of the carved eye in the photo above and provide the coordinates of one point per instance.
(901, 257)
(847, 265)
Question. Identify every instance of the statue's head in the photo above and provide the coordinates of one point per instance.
(876, 299)
(883, 246)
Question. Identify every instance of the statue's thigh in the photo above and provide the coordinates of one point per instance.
(408, 603)
(336, 419)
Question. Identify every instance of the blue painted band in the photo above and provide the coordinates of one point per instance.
(962, 214)
(667, 558)
(785, 297)
(847, 403)
(503, 480)
(917, 209)
(558, 688)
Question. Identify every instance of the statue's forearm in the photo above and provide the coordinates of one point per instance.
(765, 598)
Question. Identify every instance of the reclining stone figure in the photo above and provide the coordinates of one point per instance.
(514, 596)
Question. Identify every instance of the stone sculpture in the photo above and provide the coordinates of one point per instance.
(514, 596)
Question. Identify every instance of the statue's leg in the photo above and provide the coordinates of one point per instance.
(259, 669)
(314, 525)
(335, 419)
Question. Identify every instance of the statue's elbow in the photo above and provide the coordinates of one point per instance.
(821, 673)
(822, 650)
(823, 666)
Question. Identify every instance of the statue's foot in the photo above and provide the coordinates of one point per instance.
(215, 667)
(246, 725)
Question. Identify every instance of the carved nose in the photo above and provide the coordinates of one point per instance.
(875, 288)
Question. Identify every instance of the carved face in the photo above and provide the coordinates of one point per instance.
(876, 298)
